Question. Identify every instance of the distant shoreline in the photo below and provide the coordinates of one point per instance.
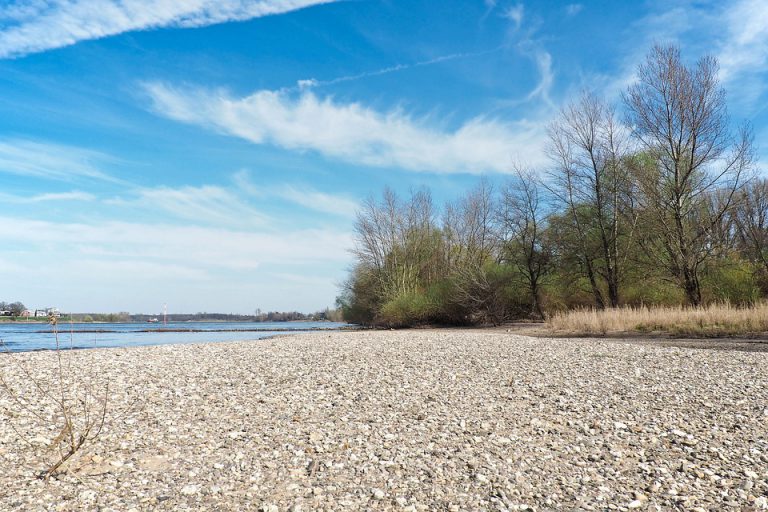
(63, 319)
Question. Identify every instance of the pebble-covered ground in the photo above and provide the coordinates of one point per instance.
(403, 420)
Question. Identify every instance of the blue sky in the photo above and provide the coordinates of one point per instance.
(210, 154)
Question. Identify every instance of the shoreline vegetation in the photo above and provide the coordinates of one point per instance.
(667, 215)
(327, 315)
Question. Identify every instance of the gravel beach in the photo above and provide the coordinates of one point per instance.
(403, 420)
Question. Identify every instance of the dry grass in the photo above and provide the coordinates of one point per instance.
(709, 321)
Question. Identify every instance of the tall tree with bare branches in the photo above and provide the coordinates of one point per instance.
(678, 115)
(589, 179)
(522, 218)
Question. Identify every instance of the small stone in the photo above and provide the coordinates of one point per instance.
(619, 425)
(654, 487)
(88, 495)
(190, 489)
(635, 504)
(750, 474)
(378, 494)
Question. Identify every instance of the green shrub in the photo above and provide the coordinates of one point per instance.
(407, 309)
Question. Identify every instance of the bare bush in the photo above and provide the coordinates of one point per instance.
(65, 402)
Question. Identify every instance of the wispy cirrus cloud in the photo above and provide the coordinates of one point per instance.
(543, 61)
(744, 51)
(515, 13)
(353, 132)
(312, 199)
(189, 245)
(31, 158)
(205, 205)
(74, 195)
(299, 194)
(29, 27)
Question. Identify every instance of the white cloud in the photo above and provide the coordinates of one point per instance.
(29, 27)
(743, 53)
(352, 132)
(301, 195)
(318, 201)
(746, 48)
(205, 205)
(573, 9)
(187, 246)
(52, 161)
(75, 195)
(515, 14)
(132, 266)
(543, 61)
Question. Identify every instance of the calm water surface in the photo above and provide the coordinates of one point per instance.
(20, 336)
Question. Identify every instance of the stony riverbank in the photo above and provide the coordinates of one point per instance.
(405, 420)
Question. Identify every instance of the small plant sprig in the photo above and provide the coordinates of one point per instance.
(80, 412)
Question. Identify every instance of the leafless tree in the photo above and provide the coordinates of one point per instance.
(678, 115)
(522, 220)
(468, 227)
(469, 235)
(750, 217)
(589, 179)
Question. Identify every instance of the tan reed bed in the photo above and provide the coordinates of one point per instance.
(709, 321)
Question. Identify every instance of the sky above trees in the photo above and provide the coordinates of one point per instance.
(211, 155)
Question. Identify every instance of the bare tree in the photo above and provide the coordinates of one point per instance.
(590, 180)
(469, 235)
(678, 115)
(468, 227)
(522, 221)
(750, 217)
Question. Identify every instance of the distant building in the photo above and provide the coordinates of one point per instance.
(47, 312)
(26, 313)
(5, 312)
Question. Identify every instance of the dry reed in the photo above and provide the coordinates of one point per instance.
(707, 321)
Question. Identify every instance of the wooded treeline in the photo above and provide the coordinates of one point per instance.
(651, 201)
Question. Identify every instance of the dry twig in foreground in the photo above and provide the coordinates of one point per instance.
(65, 402)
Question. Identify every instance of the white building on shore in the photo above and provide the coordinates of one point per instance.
(47, 312)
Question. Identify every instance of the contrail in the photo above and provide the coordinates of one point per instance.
(311, 83)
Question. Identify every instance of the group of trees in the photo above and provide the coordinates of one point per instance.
(650, 201)
(16, 308)
(258, 316)
(293, 316)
